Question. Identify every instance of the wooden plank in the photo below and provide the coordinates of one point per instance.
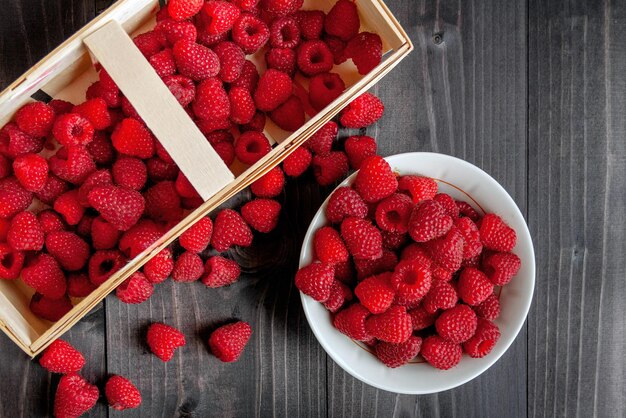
(577, 202)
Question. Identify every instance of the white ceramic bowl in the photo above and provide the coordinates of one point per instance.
(463, 181)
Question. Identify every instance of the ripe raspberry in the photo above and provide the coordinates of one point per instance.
(489, 308)
(375, 293)
(297, 162)
(72, 164)
(150, 43)
(359, 148)
(440, 353)
(249, 77)
(96, 112)
(474, 286)
(448, 204)
(231, 58)
(270, 185)
(53, 188)
(457, 324)
(329, 168)
(120, 392)
(130, 172)
(261, 214)
(174, 31)
(366, 268)
(228, 341)
(250, 33)
(420, 318)
(472, 246)
(72, 130)
(411, 280)
(345, 202)
(132, 138)
(418, 188)
(45, 276)
(163, 63)
(211, 100)
(184, 187)
(226, 152)
(314, 57)
(195, 61)
(247, 5)
(396, 355)
(83, 229)
(60, 107)
(337, 47)
(392, 326)
(366, 51)
(393, 212)
(134, 290)
(159, 268)
(441, 296)
(111, 96)
(5, 167)
(68, 249)
(284, 33)
(163, 340)
(251, 146)
(220, 271)
(256, 124)
(465, 209)
(274, 89)
(159, 170)
(281, 7)
(74, 396)
(101, 149)
(197, 238)
(95, 179)
(120, 206)
(428, 221)
(61, 357)
(35, 119)
(329, 247)
(205, 38)
(311, 23)
(281, 59)
(242, 108)
(79, 286)
(68, 206)
(181, 10)
(362, 238)
(486, 336)
(50, 221)
(103, 264)
(321, 142)
(351, 322)
(342, 20)
(501, 267)
(362, 111)
(339, 295)
(230, 229)
(14, 142)
(324, 88)
(11, 262)
(441, 274)
(375, 180)
(25, 233)
(219, 16)
(316, 280)
(187, 267)
(13, 197)
(50, 309)
(183, 89)
(289, 116)
(447, 251)
(496, 234)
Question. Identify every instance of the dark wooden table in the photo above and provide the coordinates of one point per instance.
(533, 92)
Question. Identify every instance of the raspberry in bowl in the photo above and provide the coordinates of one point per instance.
(425, 271)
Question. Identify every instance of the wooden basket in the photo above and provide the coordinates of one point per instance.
(67, 72)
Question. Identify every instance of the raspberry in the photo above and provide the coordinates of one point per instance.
(342, 20)
(329, 168)
(14, 142)
(362, 111)
(489, 308)
(25, 232)
(159, 268)
(362, 238)
(5, 167)
(447, 251)
(132, 138)
(448, 204)
(101, 149)
(163, 63)
(231, 59)
(205, 38)
(61, 357)
(344, 272)
(60, 107)
(366, 51)
(281, 59)
(281, 7)
(183, 88)
(486, 336)
(440, 353)
(297, 162)
(329, 247)
(421, 319)
(316, 280)
(359, 148)
(457, 324)
(96, 112)
(79, 286)
(351, 322)
(184, 188)
(496, 235)
(120, 206)
(474, 286)
(441, 274)
(428, 221)
(174, 31)
(45, 276)
(129, 110)
(195, 61)
(465, 209)
(50, 309)
(418, 188)
(321, 142)
(339, 295)
(230, 229)
(366, 268)
(375, 180)
(251, 146)
(289, 116)
(111, 96)
(226, 151)
(72, 130)
(247, 5)
(159, 170)
(68, 249)
(181, 10)
(284, 33)
(53, 188)
(74, 396)
(134, 290)
(130, 172)
(396, 355)
(242, 108)
(471, 237)
(324, 88)
(163, 340)
(72, 164)
(68, 206)
(393, 212)
(345, 202)
(501, 267)
(311, 23)
(95, 179)
(411, 280)
(314, 57)
(228, 341)
(256, 124)
(13, 198)
(197, 237)
(274, 89)
(83, 228)
(261, 214)
(392, 326)
(270, 185)
(35, 119)
(249, 77)
(337, 48)
(375, 293)
(250, 33)
(441, 296)
(120, 392)
(150, 43)
(220, 271)
(211, 100)
(103, 264)
(163, 202)
(219, 16)
(50, 221)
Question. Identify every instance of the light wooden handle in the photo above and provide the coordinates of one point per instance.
(159, 109)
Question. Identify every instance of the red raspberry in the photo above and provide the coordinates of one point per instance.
(220, 271)
(440, 353)
(396, 355)
(261, 214)
(250, 33)
(60, 107)
(247, 5)
(329, 247)
(465, 209)
(362, 111)
(270, 185)
(366, 51)
(50, 309)
(181, 10)
(228, 341)
(96, 112)
(256, 124)
(95, 179)
(74, 396)
(359, 148)
(489, 308)
(457, 324)
(25, 232)
(496, 234)
(150, 43)
(54, 188)
(72, 130)
(339, 295)
(411, 280)
(120, 206)
(393, 212)
(281, 59)
(174, 31)
(134, 290)
(242, 108)
(316, 280)
(281, 7)
(226, 152)
(337, 47)
(251, 146)
(392, 326)
(329, 168)
(486, 336)
(324, 88)
(471, 237)
(474, 286)
(219, 16)
(195, 61)
(297, 162)
(441, 296)
(362, 238)
(314, 57)
(183, 88)
(421, 319)
(163, 340)
(61, 357)
(79, 286)
(110, 95)
(13, 198)
(132, 138)
(101, 149)
(289, 116)
(163, 63)
(83, 228)
(159, 170)
(249, 77)
(11, 262)
(68, 206)
(184, 188)
(120, 392)
(311, 23)
(69, 250)
(274, 89)
(163, 202)
(375, 180)
(159, 268)
(231, 59)
(366, 268)
(50, 221)
(230, 229)
(45, 276)
(211, 100)
(419, 188)
(5, 167)
(35, 119)
(428, 221)
(103, 264)
(14, 142)
(351, 322)
(375, 293)
(447, 251)
(345, 202)
(501, 267)
(205, 38)
(129, 110)
(130, 172)
(284, 33)
(344, 272)
(188, 267)
(72, 164)
(197, 237)
(321, 142)
(448, 204)
(342, 20)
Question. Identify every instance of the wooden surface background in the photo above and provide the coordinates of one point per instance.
(533, 92)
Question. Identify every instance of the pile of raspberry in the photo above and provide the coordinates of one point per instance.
(410, 271)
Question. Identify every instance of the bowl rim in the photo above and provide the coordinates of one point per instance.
(306, 301)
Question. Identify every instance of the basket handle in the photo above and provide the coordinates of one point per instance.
(159, 109)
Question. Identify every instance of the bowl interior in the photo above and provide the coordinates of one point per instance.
(462, 181)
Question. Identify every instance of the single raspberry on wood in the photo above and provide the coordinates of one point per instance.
(230, 229)
(396, 355)
(163, 340)
(501, 267)
(376, 293)
(442, 295)
(297, 162)
(457, 324)
(362, 238)
(103, 264)
(25, 232)
(13, 197)
(316, 280)
(441, 353)
(362, 111)
(345, 202)
(72, 130)
(392, 326)
(359, 148)
(74, 396)
(270, 184)
(428, 221)
(134, 290)
(274, 88)
(250, 33)
(121, 393)
(120, 206)
(330, 168)
(324, 88)
(485, 338)
(343, 20)
(393, 213)
(411, 280)
(35, 119)
(31, 170)
(183, 9)
(314, 57)
(489, 308)
(351, 322)
(289, 116)
(496, 234)
(44, 274)
(261, 214)
(132, 138)
(375, 180)
(228, 341)
(188, 267)
(61, 357)
(329, 247)
(198, 236)
(474, 286)
(69, 250)
(11, 262)
(220, 271)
